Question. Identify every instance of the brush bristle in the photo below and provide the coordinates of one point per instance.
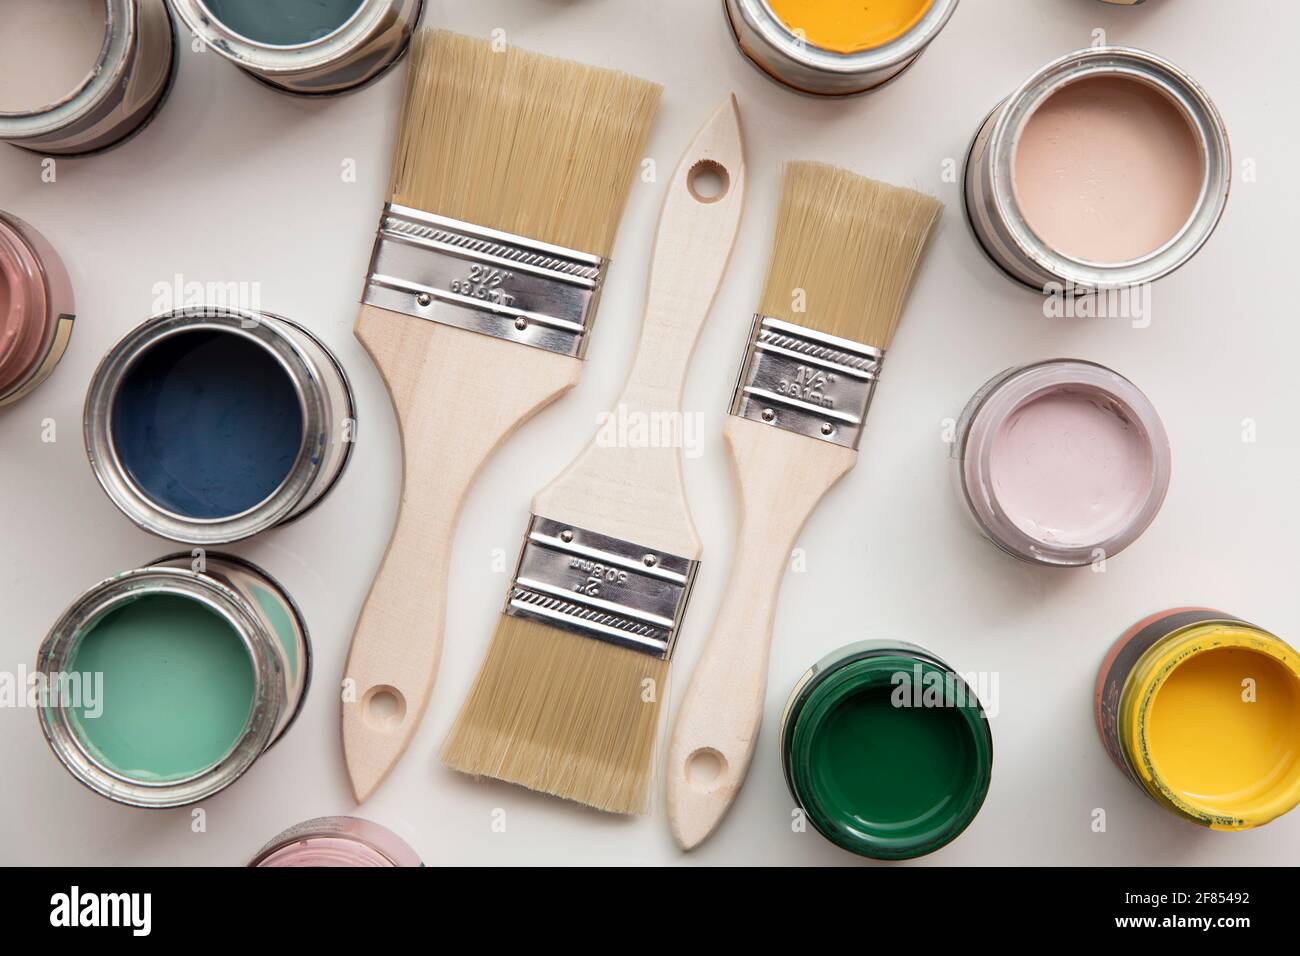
(517, 141)
(846, 251)
(572, 716)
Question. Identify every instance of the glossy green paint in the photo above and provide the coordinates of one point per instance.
(880, 768)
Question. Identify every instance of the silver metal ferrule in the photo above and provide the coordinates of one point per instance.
(601, 587)
(482, 280)
(806, 381)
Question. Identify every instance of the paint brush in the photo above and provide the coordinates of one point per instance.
(846, 251)
(509, 180)
(567, 700)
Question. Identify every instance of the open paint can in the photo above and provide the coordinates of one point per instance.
(323, 47)
(207, 426)
(81, 76)
(886, 749)
(163, 685)
(36, 310)
(336, 842)
(1061, 463)
(1108, 168)
(828, 48)
(1202, 711)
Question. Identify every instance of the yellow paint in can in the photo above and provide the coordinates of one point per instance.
(850, 26)
(1210, 722)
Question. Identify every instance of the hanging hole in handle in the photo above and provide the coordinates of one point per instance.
(708, 181)
(704, 768)
(383, 707)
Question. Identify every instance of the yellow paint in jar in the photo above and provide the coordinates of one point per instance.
(850, 26)
(1214, 725)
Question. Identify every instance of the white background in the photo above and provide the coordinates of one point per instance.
(237, 183)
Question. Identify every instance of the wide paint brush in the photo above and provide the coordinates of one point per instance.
(842, 265)
(567, 701)
(511, 173)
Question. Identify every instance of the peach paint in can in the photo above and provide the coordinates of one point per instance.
(36, 309)
(1108, 168)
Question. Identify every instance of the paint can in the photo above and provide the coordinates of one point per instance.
(210, 425)
(1152, 102)
(340, 46)
(791, 56)
(201, 663)
(125, 85)
(336, 842)
(36, 309)
(886, 750)
(1062, 463)
(1202, 711)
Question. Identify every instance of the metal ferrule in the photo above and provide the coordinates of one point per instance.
(369, 44)
(806, 382)
(601, 587)
(482, 280)
(124, 91)
(255, 606)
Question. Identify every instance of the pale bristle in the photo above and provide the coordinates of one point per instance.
(846, 251)
(572, 716)
(517, 141)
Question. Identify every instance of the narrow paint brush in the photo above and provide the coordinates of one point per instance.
(568, 699)
(846, 251)
(509, 180)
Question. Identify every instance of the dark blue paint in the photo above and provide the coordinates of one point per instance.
(207, 423)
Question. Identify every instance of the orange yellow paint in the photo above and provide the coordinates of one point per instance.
(850, 26)
(1217, 721)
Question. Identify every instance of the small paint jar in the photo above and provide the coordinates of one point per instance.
(1061, 463)
(163, 685)
(210, 425)
(886, 749)
(336, 842)
(36, 309)
(83, 76)
(1107, 168)
(1202, 711)
(841, 52)
(331, 46)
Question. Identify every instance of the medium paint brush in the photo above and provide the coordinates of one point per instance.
(509, 180)
(846, 251)
(568, 699)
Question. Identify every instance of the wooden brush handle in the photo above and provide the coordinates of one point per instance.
(781, 477)
(636, 493)
(457, 395)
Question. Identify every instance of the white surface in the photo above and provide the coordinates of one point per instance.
(235, 182)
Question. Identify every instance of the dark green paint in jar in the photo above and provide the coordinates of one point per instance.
(886, 749)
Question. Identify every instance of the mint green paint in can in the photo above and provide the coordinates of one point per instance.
(177, 688)
(887, 750)
(187, 671)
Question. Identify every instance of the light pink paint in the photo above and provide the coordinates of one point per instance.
(1107, 170)
(1070, 467)
(325, 851)
(48, 49)
(337, 842)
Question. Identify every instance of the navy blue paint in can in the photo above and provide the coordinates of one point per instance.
(207, 426)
